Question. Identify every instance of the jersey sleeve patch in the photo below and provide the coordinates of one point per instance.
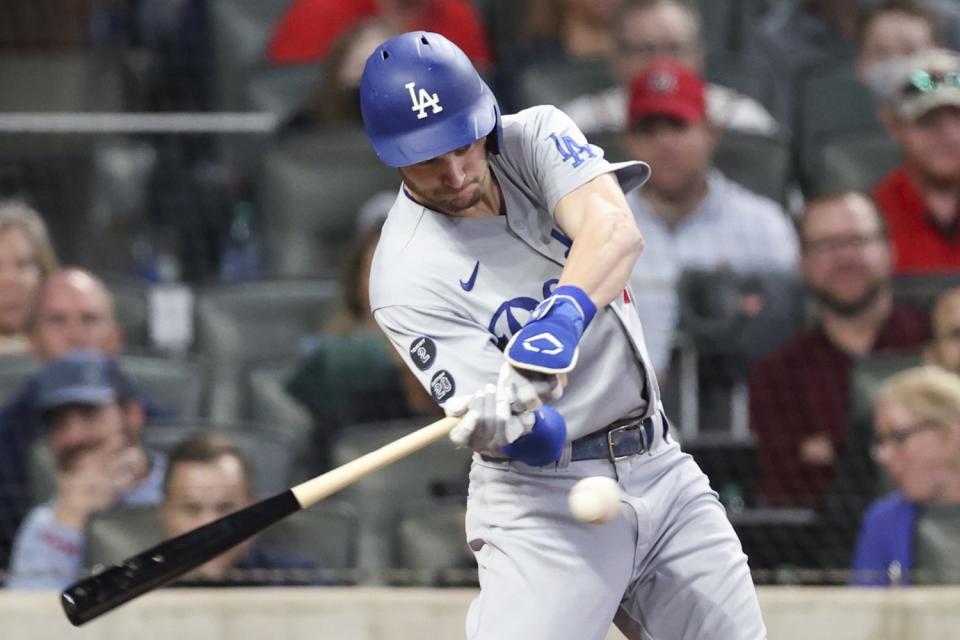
(442, 386)
(423, 352)
(570, 149)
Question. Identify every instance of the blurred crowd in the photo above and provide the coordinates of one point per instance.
(184, 322)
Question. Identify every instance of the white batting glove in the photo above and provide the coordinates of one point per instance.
(528, 390)
(487, 423)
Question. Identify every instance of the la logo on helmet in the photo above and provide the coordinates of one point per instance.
(422, 100)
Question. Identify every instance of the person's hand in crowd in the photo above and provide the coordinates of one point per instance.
(94, 480)
(818, 450)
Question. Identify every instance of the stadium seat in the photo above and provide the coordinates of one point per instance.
(240, 31)
(270, 402)
(432, 544)
(312, 186)
(778, 542)
(731, 465)
(759, 162)
(854, 161)
(921, 290)
(61, 81)
(176, 385)
(238, 324)
(557, 83)
(725, 342)
(132, 307)
(832, 102)
(381, 497)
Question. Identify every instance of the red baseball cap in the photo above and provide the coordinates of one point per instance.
(667, 87)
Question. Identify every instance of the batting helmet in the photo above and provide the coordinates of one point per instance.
(421, 97)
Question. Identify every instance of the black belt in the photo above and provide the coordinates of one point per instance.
(619, 440)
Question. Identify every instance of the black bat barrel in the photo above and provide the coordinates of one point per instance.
(94, 596)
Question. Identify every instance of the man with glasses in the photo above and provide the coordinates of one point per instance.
(921, 197)
(649, 29)
(798, 395)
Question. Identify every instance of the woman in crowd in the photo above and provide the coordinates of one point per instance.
(26, 259)
(912, 535)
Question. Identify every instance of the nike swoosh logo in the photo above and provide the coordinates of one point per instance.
(468, 285)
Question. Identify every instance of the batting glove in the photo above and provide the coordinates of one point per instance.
(548, 342)
(528, 390)
(486, 422)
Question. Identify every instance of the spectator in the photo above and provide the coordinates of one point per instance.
(796, 36)
(93, 425)
(691, 215)
(337, 99)
(309, 28)
(570, 29)
(798, 394)
(209, 477)
(889, 30)
(920, 199)
(943, 349)
(74, 311)
(26, 259)
(362, 379)
(910, 535)
(647, 29)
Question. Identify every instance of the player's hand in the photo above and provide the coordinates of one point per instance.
(548, 342)
(528, 390)
(487, 423)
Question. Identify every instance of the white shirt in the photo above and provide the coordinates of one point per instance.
(731, 227)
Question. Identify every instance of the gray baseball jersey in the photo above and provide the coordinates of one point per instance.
(449, 292)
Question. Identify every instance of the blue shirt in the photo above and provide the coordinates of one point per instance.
(885, 545)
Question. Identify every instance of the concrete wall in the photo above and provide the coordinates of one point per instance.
(415, 614)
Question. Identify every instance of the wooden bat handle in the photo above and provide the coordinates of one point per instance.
(316, 489)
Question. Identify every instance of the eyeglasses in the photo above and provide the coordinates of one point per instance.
(837, 243)
(898, 437)
(925, 82)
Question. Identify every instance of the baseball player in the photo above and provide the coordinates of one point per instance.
(500, 277)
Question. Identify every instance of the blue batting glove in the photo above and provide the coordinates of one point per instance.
(544, 444)
(548, 342)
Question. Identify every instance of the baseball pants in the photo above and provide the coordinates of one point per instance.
(669, 568)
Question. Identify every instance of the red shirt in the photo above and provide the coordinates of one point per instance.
(310, 27)
(801, 390)
(921, 244)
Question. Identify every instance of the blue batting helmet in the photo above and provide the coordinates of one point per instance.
(421, 97)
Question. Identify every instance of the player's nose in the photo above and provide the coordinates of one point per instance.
(454, 172)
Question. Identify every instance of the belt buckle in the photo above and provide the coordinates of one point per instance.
(610, 446)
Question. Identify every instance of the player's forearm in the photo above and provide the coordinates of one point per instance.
(604, 252)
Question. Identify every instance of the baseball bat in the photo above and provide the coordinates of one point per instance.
(93, 596)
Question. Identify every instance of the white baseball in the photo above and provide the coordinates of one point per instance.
(595, 500)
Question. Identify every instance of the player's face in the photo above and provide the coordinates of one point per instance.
(663, 31)
(945, 346)
(917, 454)
(453, 183)
(19, 280)
(846, 259)
(198, 493)
(679, 153)
(931, 145)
